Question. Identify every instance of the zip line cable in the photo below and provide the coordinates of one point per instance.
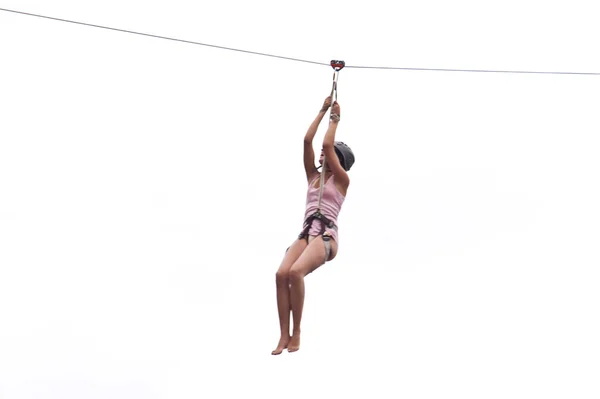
(298, 59)
(475, 70)
(163, 37)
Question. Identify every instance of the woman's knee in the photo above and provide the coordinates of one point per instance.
(296, 274)
(282, 276)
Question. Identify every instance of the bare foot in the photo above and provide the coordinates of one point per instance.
(294, 343)
(283, 343)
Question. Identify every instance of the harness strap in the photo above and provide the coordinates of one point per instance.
(325, 222)
(337, 66)
(322, 183)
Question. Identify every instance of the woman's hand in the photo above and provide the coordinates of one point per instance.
(326, 104)
(336, 108)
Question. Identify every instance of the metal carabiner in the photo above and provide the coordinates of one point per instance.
(337, 67)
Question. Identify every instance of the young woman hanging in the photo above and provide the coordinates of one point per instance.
(318, 241)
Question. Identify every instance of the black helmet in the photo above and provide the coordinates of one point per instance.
(345, 155)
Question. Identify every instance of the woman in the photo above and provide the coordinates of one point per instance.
(318, 241)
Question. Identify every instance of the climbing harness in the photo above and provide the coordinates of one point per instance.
(325, 222)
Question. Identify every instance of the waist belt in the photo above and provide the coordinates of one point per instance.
(325, 222)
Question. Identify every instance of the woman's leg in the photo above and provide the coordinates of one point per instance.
(312, 258)
(282, 281)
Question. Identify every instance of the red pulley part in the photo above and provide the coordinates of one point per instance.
(337, 65)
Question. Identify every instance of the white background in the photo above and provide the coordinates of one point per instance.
(149, 189)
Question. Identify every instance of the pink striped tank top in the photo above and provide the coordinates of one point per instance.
(331, 204)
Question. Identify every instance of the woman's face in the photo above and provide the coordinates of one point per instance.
(321, 157)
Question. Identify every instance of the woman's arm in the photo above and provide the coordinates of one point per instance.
(309, 153)
(331, 158)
